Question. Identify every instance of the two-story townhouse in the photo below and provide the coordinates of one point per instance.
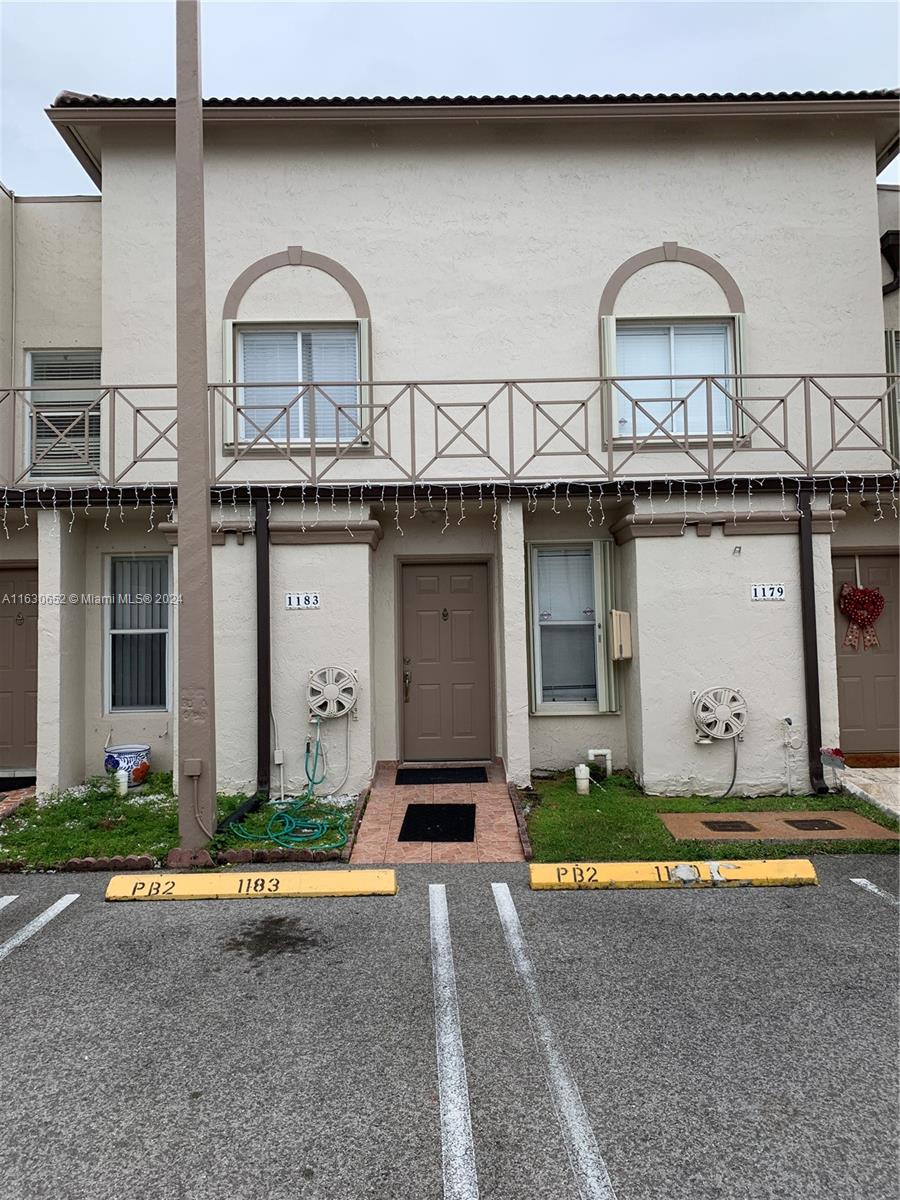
(521, 400)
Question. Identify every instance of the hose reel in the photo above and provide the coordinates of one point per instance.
(331, 692)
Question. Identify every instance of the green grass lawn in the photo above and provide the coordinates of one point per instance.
(92, 821)
(619, 823)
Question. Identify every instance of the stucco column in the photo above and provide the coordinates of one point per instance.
(514, 641)
(61, 682)
(196, 762)
(825, 638)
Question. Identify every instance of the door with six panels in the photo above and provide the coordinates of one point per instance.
(446, 662)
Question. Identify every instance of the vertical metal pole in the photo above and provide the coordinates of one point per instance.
(196, 679)
(263, 651)
(810, 644)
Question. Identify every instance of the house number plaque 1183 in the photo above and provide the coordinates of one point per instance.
(301, 600)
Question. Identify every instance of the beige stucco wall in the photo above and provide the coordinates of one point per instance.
(58, 253)
(336, 634)
(699, 628)
(61, 648)
(57, 298)
(889, 218)
(861, 527)
(505, 282)
(73, 723)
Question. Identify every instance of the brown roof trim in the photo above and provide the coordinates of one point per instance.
(66, 115)
(71, 109)
(70, 136)
(58, 199)
(68, 99)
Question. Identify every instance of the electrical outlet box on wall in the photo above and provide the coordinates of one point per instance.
(619, 634)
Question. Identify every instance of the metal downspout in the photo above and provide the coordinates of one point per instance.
(263, 673)
(810, 644)
(263, 652)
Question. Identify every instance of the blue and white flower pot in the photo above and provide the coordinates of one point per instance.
(133, 759)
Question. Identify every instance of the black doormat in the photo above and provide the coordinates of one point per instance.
(438, 823)
(12, 783)
(441, 775)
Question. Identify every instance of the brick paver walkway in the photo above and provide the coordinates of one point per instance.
(10, 801)
(496, 831)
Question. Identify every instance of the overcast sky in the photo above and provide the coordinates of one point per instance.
(340, 49)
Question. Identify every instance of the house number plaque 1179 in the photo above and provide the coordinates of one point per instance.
(768, 591)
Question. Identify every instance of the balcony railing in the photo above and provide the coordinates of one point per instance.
(478, 431)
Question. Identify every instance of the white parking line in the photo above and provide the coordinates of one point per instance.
(591, 1176)
(38, 923)
(871, 887)
(4, 900)
(460, 1178)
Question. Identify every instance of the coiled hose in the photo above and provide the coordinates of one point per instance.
(292, 827)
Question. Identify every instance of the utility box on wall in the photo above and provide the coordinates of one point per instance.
(620, 634)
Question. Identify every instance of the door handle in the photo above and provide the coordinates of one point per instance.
(407, 679)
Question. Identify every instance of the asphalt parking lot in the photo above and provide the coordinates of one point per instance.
(629, 1044)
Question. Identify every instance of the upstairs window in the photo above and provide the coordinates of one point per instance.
(691, 348)
(64, 417)
(280, 362)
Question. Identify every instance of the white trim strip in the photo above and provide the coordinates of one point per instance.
(589, 1169)
(38, 923)
(4, 900)
(871, 887)
(460, 1178)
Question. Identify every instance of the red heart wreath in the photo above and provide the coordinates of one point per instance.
(862, 607)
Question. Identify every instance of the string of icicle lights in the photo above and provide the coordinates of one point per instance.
(455, 501)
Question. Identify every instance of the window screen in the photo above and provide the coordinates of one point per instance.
(283, 360)
(691, 348)
(564, 619)
(139, 633)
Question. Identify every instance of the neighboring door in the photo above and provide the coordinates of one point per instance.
(18, 668)
(446, 662)
(868, 679)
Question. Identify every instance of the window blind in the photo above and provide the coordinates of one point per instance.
(565, 619)
(332, 355)
(293, 357)
(139, 633)
(270, 356)
(65, 430)
(690, 348)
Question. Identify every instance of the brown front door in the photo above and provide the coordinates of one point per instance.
(446, 691)
(18, 668)
(868, 679)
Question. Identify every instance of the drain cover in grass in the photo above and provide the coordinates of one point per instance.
(731, 826)
(814, 823)
(438, 823)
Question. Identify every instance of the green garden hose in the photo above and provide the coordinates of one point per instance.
(290, 827)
